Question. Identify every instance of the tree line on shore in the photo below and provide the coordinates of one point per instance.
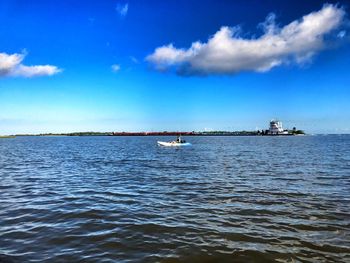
(167, 133)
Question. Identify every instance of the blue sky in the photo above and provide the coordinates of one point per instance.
(132, 66)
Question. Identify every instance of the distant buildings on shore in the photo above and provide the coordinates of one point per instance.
(275, 129)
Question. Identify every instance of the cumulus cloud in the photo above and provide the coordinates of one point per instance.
(122, 9)
(11, 66)
(115, 68)
(226, 52)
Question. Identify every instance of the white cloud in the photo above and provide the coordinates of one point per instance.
(226, 52)
(115, 68)
(341, 34)
(122, 9)
(135, 60)
(11, 66)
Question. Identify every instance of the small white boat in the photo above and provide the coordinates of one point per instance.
(178, 142)
(174, 143)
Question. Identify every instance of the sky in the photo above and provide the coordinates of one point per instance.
(69, 66)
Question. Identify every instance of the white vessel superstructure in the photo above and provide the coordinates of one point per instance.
(276, 128)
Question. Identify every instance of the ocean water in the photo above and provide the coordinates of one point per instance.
(224, 199)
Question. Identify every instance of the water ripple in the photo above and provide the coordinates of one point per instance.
(225, 199)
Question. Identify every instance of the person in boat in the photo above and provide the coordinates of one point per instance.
(179, 140)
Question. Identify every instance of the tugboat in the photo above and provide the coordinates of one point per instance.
(177, 142)
(276, 128)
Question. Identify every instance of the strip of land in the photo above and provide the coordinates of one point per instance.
(171, 133)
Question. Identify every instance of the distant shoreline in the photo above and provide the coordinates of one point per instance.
(165, 133)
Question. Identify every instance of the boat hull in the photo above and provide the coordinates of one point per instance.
(173, 144)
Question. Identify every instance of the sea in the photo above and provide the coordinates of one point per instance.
(223, 199)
